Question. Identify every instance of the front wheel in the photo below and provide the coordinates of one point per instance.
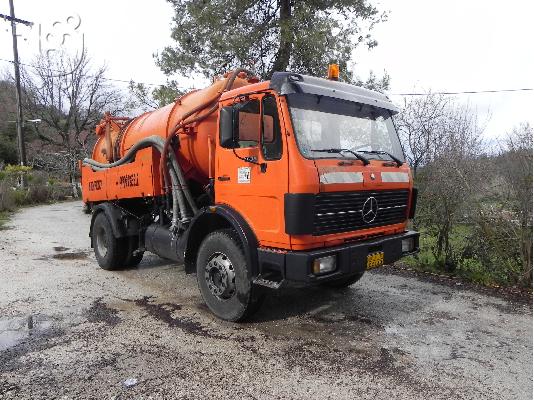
(224, 279)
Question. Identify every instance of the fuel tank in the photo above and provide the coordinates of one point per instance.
(117, 135)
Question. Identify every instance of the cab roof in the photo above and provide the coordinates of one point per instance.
(287, 83)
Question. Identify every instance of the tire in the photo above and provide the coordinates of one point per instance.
(132, 258)
(110, 252)
(224, 279)
(343, 282)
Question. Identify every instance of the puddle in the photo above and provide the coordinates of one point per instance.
(62, 254)
(75, 255)
(61, 248)
(167, 312)
(16, 330)
(355, 320)
(100, 312)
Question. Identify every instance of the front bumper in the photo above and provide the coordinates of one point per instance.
(351, 258)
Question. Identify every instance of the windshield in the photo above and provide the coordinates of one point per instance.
(332, 128)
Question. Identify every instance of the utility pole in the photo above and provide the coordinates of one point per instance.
(20, 123)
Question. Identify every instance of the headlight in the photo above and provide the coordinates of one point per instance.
(408, 245)
(323, 265)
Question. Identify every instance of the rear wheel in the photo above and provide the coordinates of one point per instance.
(109, 251)
(343, 282)
(224, 279)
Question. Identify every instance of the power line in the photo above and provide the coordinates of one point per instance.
(464, 92)
(391, 94)
(92, 76)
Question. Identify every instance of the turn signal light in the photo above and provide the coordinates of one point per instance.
(333, 72)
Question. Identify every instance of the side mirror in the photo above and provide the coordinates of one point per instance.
(226, 127)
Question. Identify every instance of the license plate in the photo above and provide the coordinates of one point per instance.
(375, 260)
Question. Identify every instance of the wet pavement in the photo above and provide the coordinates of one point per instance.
(70, 330)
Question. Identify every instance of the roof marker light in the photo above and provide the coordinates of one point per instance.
(333, 72)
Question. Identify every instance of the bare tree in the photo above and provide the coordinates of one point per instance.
(447, 180)
(69, 97)
(516, 168)
(420, 126)
(459, 185)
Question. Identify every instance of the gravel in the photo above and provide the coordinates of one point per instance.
(71, 330)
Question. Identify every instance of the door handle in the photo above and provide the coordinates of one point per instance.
(223, 178)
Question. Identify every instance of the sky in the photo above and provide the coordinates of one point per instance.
(457, 45)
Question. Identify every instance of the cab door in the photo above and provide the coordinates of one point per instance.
(251, 174)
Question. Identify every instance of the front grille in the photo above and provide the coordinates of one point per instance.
(337, 212)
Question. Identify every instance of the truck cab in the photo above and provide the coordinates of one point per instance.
(316, 169)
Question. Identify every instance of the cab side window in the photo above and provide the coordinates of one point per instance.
(271, 136)
(248, 124)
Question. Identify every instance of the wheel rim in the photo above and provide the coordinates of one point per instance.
(101, 244)
(220, 276)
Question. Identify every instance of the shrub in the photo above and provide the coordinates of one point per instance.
(7, 200)
(20, 197)
(488, 257)
(40, 188)
(38, 194)
(60, 191)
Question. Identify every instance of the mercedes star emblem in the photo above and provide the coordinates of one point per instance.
(369, 210)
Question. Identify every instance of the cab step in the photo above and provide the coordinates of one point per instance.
(261, 281)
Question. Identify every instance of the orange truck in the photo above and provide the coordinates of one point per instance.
(253, 185)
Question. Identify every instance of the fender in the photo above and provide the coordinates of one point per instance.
(115, 216)
(210, 219)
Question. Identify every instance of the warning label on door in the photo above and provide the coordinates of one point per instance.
(243, 175)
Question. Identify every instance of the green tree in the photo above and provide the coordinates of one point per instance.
(8, 133)
(265, 36)
(8, 145)
(9, 153)
(147, 99)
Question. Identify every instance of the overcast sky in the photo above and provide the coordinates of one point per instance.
(457, 45)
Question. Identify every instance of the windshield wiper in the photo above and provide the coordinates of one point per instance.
(396, 159)
(341, 151)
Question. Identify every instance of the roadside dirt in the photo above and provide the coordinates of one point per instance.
(70, 330)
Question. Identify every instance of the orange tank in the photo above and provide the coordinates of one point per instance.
(193, 152)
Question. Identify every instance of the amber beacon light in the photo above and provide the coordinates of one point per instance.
(333, 72)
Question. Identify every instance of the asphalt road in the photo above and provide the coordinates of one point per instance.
(71, 330)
